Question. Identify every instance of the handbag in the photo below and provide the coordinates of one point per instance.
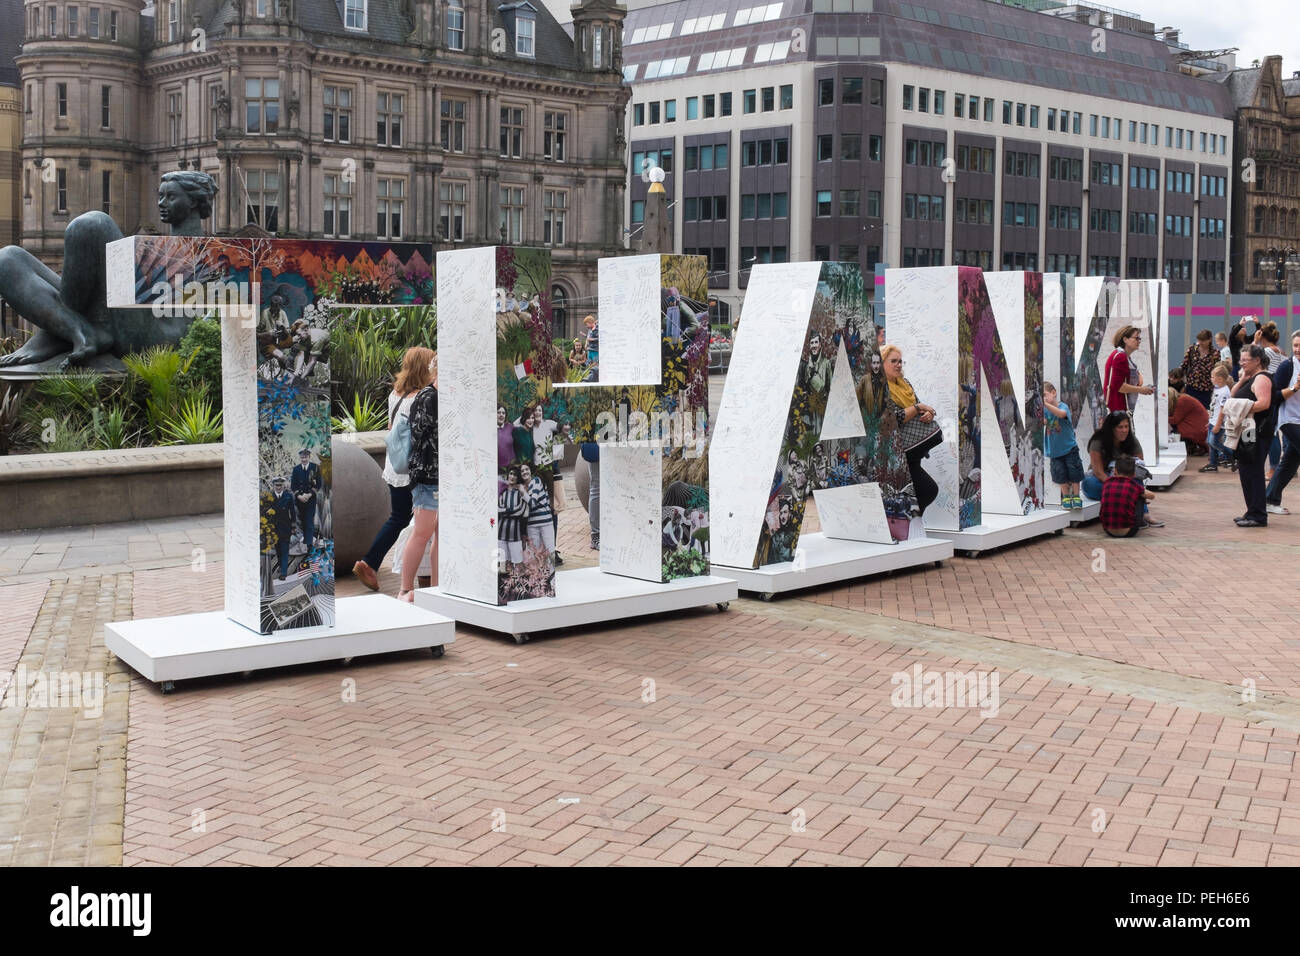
(398, 442)
(920, 437)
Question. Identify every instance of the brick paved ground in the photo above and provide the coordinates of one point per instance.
(764, 716)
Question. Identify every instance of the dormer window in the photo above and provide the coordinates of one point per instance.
(354, 14)
(525, 33)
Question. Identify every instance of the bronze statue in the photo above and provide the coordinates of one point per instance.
(70, 313)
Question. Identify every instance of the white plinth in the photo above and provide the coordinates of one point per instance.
(168, 649)
(582, 596)
(998, 531)
(1173, 461)
(824, 560)
(1090, 511)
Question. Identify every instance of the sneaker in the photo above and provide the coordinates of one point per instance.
(1251, 523)
(1234, 466)
(1152, 523)
(595, 541)
(1277, 510)
(1209, 468)
(558, 560)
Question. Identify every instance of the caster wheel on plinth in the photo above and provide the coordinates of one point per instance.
(765, 597)
(438, 651)
(938, 564)
(723, 605)
(1060, 531)
(521, 638)
(245, 674)
(168, 686)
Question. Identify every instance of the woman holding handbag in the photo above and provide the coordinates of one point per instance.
(916, 425)
(1257, 386)
(413, 376)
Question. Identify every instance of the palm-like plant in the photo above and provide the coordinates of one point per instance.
(367, 415)
(112, 428)
(159, 371)
(195, 423)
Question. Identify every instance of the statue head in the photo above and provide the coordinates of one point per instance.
(184, 198)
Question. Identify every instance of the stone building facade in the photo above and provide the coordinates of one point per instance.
(11, 127)
(1267, 210)
(457, 121)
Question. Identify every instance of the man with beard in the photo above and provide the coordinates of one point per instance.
(783, 536)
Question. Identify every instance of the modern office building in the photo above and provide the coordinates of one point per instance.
(967, 132)
(461, 121)
(1266, 201)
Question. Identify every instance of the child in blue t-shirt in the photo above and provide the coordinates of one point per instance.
(1060, 446)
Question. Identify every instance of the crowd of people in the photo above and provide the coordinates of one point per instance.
(1235, 398)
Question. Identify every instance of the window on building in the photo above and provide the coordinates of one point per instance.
(654, 111)
(525, 33)
(638, 114)
(851, 91)
(389, 109)
(851, 147)
(451, 210)
(875, 91)
(455, 25)
(173, 20)
(174, 130)
(105, 114)
(554, 135)
(112, 25)
(710, 106)
(769, 98)
(670, 111)
(354, 14)
(1006, 112)
(597, 60)
(555, 211)
(850, 202)
(61, 190)
(263, 209)
(825, 147)
(750, 101)
(53, 21)
(909, 94)
(958, 105)
(638, 211)
(1020, 114)
(512, 131)
(337, 222)
(787, 96)
(73, 14)
(692, 108)
(923, 100)
(512, 214)
(61, 99)
(93, 23)
(389, 206)
(261, 106)
(452, 125)
(824, 202)
(724, 103)
(337, 114)
(826, 92)
(106, 191)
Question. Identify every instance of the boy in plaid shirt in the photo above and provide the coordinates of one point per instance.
(1121, 500)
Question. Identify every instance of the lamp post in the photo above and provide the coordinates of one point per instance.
(1278, 261)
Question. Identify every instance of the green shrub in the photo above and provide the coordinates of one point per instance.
(201, 347)
(111, 427)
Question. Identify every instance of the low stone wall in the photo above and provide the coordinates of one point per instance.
(133, 484)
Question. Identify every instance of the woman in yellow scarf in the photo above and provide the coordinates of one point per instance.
(916, 422)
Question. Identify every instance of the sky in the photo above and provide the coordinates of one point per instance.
(1259, 28)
